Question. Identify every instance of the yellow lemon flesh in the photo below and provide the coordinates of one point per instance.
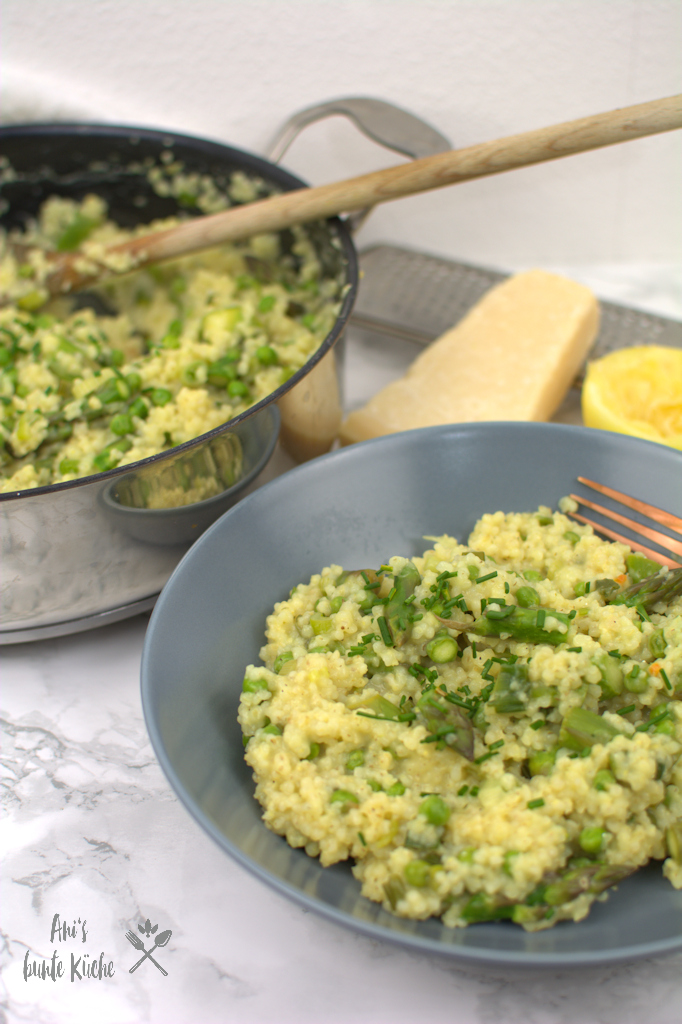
(636, 391)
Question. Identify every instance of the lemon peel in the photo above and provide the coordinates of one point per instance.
(636, 391)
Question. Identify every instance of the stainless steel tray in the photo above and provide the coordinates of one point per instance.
(407, 298)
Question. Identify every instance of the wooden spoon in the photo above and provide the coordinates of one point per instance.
(298, 207)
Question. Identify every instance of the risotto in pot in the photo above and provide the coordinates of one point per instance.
(158, 356)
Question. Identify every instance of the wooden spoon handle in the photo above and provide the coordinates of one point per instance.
(487, 158)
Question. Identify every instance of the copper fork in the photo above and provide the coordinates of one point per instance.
(672, 545)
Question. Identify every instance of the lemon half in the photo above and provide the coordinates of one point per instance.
(636, 391)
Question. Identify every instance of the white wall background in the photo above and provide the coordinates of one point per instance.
(476, 69)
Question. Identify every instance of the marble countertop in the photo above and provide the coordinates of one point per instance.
(95, 843)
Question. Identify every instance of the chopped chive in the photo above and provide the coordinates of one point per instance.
(664, 677)
(407, 716)
(365, 577)
(496, 745)
(532, 804)
(537, 724)
(385, 631)
(474, 791)
(654, 720)
(485, 757)
(473, 649)
(575, 650)
(627, 710)
(362, 839)
(385, 568)
(490, 576)
(462, 790)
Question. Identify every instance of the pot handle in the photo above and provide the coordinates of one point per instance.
(385, 123)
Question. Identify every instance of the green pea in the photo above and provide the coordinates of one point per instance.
(435, 810)
(591, 839)
(237, 389)
(134, 381)
(272, 730)
(532, 575)
(418, 873)
(139, 408)
(336, 603)
(104, 461)
(266, 303)
(527, 597)
(571, 536)
(343, 796)
(397, 789)
(266, 355)
(313, 752)
(121, 424)
(254, 685)
(375, 786)
(68, 466)
(355, 759)
(161, 396)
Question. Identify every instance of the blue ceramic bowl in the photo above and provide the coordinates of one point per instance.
(357, 507)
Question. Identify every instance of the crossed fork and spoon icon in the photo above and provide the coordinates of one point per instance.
(160, 940)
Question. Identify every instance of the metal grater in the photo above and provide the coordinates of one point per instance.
(413, 297)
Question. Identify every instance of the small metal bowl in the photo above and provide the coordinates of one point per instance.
(80, 554)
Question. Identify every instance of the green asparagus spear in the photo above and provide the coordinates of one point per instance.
(660, 588)
(523, 624)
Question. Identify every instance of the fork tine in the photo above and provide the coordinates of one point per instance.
(655, 556)
(657, 514)
(655, 535)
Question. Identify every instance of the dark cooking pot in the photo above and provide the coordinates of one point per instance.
(79, 554)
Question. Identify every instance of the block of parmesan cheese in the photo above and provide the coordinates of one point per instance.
(512, 357)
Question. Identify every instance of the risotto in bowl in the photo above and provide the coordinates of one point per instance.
(436, 708)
